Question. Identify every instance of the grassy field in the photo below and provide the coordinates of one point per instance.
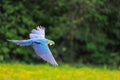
(19, 71)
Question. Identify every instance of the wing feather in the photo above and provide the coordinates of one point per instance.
(22, 42)
(43, 51)
(38, 32)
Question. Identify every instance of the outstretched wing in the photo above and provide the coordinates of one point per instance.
(43, 51)
(22, 42)
(39, 32)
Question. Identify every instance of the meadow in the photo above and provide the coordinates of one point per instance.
(20, 71)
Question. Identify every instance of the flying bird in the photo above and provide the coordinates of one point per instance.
(40, 44)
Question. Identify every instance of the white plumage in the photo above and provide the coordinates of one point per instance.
(39, 32)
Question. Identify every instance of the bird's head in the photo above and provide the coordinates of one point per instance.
(50, 42)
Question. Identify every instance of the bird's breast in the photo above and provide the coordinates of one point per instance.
(39, 48)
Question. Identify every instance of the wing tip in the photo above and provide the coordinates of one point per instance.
(55, 64)
(40, 27)
(11, 40)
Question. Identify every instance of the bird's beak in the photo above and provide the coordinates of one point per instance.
(51, 43)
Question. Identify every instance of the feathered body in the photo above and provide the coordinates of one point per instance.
(39, 43)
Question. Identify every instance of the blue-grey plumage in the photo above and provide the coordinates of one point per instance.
(22, 42)
(44, 52)
(40, 44)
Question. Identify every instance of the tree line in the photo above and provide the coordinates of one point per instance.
(85, 31)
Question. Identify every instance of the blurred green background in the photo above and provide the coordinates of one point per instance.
(85, 31)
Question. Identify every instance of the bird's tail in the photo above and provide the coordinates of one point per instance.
(22, 42)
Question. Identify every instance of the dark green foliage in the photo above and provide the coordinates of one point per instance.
(85, 31)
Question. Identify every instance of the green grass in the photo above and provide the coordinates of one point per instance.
(18, 71)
